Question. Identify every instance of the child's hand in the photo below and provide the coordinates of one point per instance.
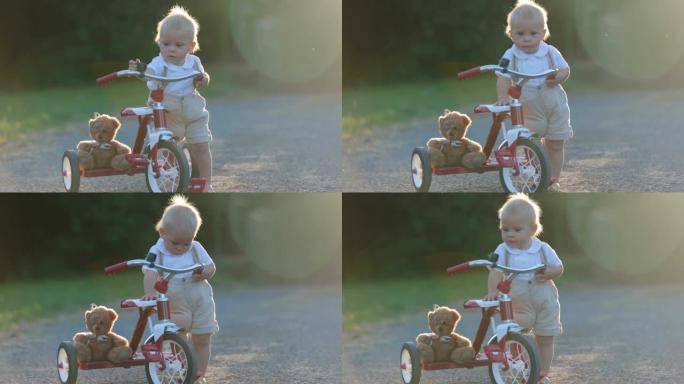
(542, 276)
(202, 80)
(491, 296)
(552, 81)
(506, 100)
(198, 274)
(149, 296)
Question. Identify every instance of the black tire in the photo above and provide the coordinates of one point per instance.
(409, 361)
(421, 169)
(194, 171)
(179, 162)
(541, 168)
(71, 172)
(67, 363)
(530, 348)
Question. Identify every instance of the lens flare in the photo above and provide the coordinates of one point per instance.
(292, 41)
(628, 234)
(632, 39)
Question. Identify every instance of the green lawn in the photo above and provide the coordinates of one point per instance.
(30, 300)
(368, 108)
(53, 108)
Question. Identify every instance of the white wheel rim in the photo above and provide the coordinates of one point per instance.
(529, 165)
(417, 170)
(63, 365)
(176, 362)
(66, 171)
(169, 172)
(406, 366)
(519, 364)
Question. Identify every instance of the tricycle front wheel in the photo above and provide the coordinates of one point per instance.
(421, 169)
(180, 363)
(410, 364)
(174, 172)
(67, 363)
(522, 360)
(533, 165)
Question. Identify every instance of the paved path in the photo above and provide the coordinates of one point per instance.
(626, 141)
(268, 335)
(612, 335)
(286, 143)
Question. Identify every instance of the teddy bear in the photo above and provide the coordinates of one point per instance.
(104, 151)
(454, 148)
(443, 343)
(100, 343)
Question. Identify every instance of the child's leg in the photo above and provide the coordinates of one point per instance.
(545, 347)
(202, 344)
(556, 151)
(201, 155)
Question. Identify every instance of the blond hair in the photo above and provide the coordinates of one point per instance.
(526, 10)
(180, 216)
(178, 18)
(521, 204)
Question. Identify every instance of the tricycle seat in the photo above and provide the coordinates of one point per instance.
(138, 303)
(492, 108)
(472, 303)
(136, 111)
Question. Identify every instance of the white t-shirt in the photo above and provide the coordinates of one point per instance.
(176, 88)
(184, 260)
(527, 258)
(534, 62)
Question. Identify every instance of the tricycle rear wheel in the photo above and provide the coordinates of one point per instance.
(179, 359)
(67, 363)
(410, 364)
(534, 166)
(523, 361)
(421, 169)
(71, 172)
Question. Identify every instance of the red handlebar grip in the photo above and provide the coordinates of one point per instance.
(469, 73)
(122, 266)
(107, 78)
(458, 268)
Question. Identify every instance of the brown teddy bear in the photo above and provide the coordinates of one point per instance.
(454, 148)
(101, 343)
(104, 151)
(444, 344)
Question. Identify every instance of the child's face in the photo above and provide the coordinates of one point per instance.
(527, 34)
(176, 242)
(517, 231)
(175, 44)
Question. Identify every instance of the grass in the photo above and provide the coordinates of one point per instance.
(368, 108)
(27, 301)
(370, 302)
(54, 108)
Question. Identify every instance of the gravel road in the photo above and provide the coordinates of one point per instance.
(268, 335)
(612, 335)
(624, 141)
(285, 143)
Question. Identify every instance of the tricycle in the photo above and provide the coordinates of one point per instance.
(511, 353)
(521, 161)
(164, 160)
(166, 355)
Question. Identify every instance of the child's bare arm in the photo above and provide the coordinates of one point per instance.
(502, 86)
(151, 277)
(492, 281)
(550, 273)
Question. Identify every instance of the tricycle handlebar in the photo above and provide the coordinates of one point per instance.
(131, 73)
(150, 264)
(486, 263)
(492, 68)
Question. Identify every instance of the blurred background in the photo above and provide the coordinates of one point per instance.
(56, 246)
(407, 53)
(397, 247)
(54, 50)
